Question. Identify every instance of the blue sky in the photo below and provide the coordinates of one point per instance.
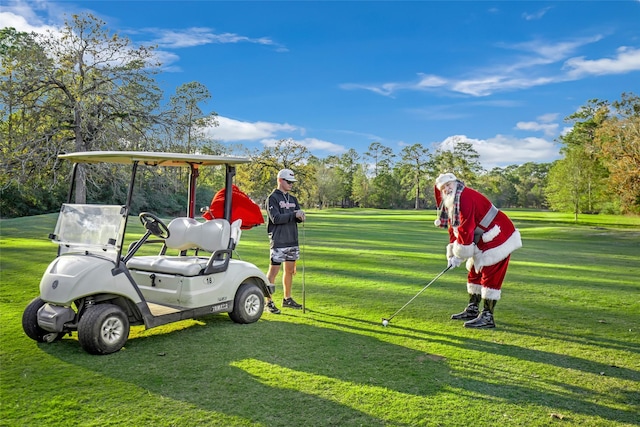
(335, 75)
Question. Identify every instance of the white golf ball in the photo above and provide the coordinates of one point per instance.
(385, 322)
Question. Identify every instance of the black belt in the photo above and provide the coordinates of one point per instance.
(485, 223)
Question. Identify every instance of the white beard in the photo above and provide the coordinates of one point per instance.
(447, 201)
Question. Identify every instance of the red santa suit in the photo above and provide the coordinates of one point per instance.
(485, 237)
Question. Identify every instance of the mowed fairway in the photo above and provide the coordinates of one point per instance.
(566, 350)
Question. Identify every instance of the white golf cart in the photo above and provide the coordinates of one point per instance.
(93, 288)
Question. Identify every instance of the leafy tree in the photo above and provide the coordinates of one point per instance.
(362, 186)
(382, 184)
(414, 161)
(462, 160)
(259, 177)
(381, 157)
(346, 169)
(190, 122)
(581, 141)
(328, 182)
(618, 140)
(188, 133)
(29, 178)
(89, 90)
(568, 183)
(498, 185)
(385, 192)
(529, 180)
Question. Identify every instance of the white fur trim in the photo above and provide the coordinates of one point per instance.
(495, 255)
(471, 261)
(472, 288)
(463, 251)
(469, 264)
(449, 250)
(444, 178)
(492, 294)
(491, 234)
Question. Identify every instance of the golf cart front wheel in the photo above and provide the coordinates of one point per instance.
(248, 304)
(103, 329)
(30, 321)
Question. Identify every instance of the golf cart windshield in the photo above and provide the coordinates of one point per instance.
(90, 228)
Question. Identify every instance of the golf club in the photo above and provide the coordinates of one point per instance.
(304, 294)
(385, 321)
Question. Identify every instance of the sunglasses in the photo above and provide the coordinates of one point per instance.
(289, 182)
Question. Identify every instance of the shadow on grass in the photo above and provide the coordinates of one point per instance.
(520, 394)
(537, 356)
(532, 331)
(275, 372)
(270, 372)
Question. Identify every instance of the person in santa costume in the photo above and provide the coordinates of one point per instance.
(481, 235)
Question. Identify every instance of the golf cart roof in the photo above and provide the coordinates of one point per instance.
(152, 158)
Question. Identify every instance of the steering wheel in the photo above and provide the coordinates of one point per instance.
(154, 225)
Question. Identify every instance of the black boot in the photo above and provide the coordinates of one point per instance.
(471, 311)
(484, 319)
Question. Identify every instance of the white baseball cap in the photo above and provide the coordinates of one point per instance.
(287, 175)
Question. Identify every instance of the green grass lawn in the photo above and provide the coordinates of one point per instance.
(566, 350)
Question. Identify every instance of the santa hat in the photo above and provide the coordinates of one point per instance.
(438, 196)
(443, 178)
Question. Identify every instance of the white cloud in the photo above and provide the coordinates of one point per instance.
(626, 60)
(537, 52)
(424, 82)
(549, 117)
(198, 36)
(543, 124)
(385, 89)
(24, 18)
(268, 134)
(504, 150)
(167, 59)
(566, 130)
(497, 83)
(508, 150)
(536, 15)
(526, 70)
(429, 81)
(549, 129)
(21, 21)
(312, 144)
(230, 130)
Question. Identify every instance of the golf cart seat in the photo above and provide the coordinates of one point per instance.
(216, 236)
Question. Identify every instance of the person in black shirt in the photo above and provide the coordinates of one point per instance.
(284, 215)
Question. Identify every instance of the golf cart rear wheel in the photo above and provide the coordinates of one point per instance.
(103, 329)
(30, 321)
(248, 304)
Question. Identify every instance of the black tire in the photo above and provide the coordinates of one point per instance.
(248, 304)
(30, 321)
(103, 329)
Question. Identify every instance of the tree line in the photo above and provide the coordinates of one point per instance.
(85, 88)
